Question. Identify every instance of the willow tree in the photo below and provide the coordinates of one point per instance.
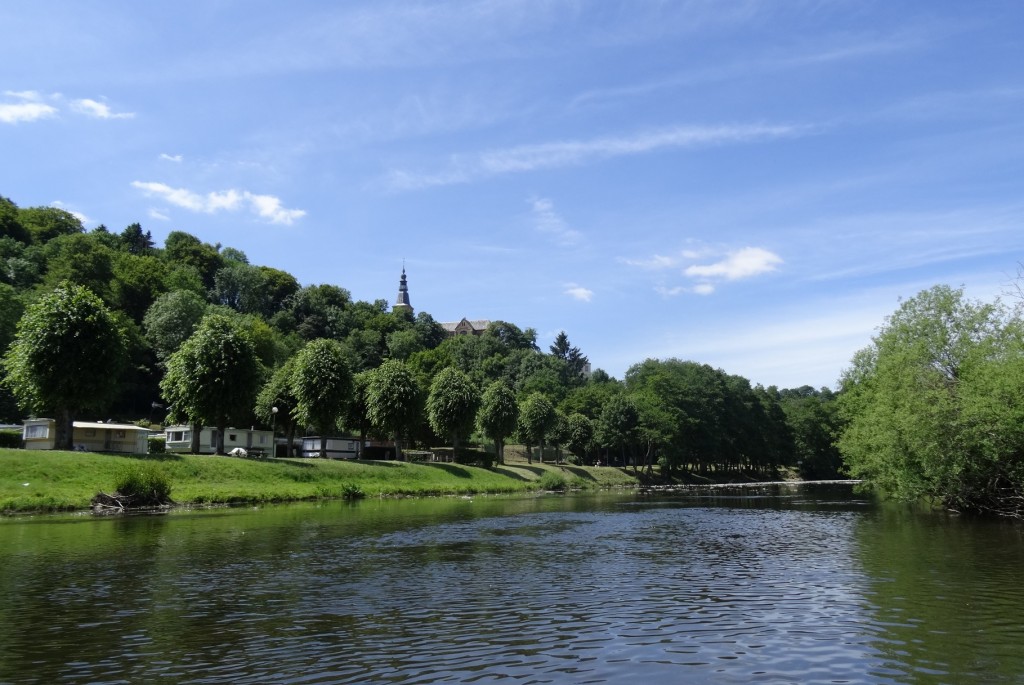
(66, 357)
(933, 406)
(322, 387)
(213, 378)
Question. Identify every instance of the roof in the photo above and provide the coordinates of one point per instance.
(475, 324)
(96, 424)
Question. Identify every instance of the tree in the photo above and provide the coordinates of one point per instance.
(10, 225)
(393, 400)
(171, 320)
(134, 241)
(185, 249)
(322, 387)
(581, 435)
(499, 416)
(574, 362)
(558, 434)
(618, 424)
(536, 415)
(82, 259)
(46, 223)
(66, 357)
(277, 394)
(452, 405)
(933, 404)
(213, 378)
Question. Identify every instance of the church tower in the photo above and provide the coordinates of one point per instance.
(402, 303)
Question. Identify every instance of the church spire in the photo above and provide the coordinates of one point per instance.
(402, 303)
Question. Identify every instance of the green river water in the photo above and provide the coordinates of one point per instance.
(775, 584)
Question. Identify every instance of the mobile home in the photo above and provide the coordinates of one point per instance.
(88, 436)
(337, 448)
(179, 439)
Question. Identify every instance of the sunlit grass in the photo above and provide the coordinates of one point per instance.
(53, 480)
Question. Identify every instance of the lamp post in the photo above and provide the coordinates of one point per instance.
(273, 431)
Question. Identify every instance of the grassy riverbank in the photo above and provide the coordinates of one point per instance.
(33, 481)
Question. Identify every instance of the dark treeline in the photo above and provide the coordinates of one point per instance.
(189, 310)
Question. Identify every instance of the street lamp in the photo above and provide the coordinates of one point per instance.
(273, 432)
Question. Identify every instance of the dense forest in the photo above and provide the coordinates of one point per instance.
(194, 332)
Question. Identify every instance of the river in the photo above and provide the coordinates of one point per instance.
(780, 584)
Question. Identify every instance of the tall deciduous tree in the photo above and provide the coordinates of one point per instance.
(581, 435)
(536, 415)
(499, 416)
(452, 405)
(66, 357)
(213, 378)
(322, 387)
(393, 400)
(171, 320)
(277, 394)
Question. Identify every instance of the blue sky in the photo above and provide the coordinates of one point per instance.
(750, 184)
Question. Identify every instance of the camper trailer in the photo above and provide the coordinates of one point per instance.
(88, 436)
(252, 440)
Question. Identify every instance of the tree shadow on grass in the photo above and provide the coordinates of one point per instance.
(578, 472)
(453, 469)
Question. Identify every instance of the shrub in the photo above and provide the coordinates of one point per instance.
(10, 437)
(352, 491)
(143, 484)
(157, 444)
(552, 481)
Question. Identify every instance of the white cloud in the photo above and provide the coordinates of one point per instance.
(158, 215)
(744, 263)
(98, 110)
(525, 158)
(30, 107)
(669, 292)
(703, 289)
(578, 292)
(547, 220)
(656, 263)
(269, 207)
(265, 206)
(171, 158)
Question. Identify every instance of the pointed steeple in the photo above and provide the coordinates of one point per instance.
(402, 303)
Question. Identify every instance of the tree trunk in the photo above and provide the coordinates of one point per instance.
(220, 438)
(398, 446)
(323, 446)
(64, 430)
(197, 430)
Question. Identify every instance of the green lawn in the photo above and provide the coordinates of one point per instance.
(52, 480)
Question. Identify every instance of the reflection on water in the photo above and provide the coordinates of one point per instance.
(772, 585)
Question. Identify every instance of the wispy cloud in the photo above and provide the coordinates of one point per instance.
(27, 105)
(158, 215)
(265, 206)
(98, 110)
(548, 221)
(743, 263)
(578, 292)
(171, 158)
(526, 158)
(31, 105)
(850, 48)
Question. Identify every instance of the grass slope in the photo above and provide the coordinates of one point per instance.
(52, 480)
